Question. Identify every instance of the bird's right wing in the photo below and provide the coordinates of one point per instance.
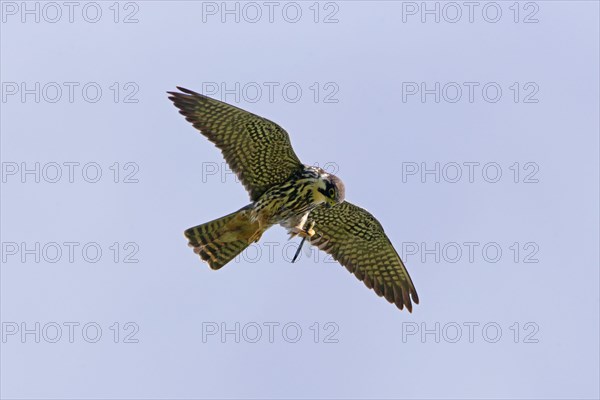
(357, 240)
(257, 150)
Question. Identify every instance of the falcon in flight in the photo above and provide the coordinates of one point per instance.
(305, 200)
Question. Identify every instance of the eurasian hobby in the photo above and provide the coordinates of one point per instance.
(305, 200)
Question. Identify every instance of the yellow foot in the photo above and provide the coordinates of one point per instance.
(308, 233)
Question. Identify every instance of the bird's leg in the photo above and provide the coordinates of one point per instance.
(305, 234)
(310, 231)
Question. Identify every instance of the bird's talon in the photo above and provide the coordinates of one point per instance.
(305, 235)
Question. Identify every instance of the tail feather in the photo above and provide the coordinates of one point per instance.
(218, 242)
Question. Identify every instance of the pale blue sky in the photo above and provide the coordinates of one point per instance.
(360, 112)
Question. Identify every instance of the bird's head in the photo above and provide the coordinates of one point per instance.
(333, 189)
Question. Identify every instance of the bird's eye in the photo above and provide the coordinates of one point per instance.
(331, 192)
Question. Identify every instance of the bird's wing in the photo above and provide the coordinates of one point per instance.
(357, 240)
(257, 150)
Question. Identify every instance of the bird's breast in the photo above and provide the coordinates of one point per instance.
(288, 202)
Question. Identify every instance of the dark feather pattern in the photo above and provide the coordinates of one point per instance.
(356, 239)
(257, 150)
(282, 192)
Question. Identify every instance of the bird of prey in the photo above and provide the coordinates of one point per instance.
(305, 200)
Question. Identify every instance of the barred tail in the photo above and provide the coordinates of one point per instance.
(218, 242)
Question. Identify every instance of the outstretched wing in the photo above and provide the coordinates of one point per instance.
(357, 240)
(257, 150)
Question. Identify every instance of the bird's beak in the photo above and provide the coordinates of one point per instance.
(330, 203)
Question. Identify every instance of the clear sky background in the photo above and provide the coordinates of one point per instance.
(506, 266)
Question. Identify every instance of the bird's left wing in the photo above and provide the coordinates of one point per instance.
(357, 240)
(258, 150)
